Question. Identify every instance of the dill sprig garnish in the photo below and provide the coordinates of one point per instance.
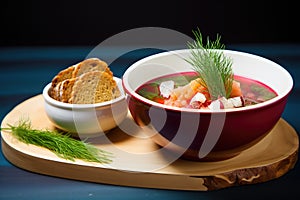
(63, 145)
(213, 67)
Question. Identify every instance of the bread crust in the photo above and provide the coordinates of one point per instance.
(61, 76)
(91, 64)
(66, 89)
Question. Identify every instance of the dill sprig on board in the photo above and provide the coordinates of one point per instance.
(213, 67)
(63, 145)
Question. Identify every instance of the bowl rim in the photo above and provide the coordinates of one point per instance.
(52, 101)
(131, 92)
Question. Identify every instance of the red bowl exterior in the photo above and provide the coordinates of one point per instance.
(242, 129)
(203, 134)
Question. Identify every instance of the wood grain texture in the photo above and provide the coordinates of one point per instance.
(138, 162)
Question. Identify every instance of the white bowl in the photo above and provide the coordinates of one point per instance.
(86, 120)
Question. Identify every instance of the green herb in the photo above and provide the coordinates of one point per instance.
(147, 94)
(213, 67)
(262, 92)
(63, 145)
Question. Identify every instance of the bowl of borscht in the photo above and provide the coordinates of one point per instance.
(205, 104)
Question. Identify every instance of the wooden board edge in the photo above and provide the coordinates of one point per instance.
(150, 180)
(252, 175)
(101, 175)
(257, 174)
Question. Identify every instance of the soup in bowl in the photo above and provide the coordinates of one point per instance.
(210, 131)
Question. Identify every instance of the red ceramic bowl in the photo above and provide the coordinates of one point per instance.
(205, 135)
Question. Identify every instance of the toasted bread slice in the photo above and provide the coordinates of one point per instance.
(94, 87)
(54, 92)
(66, 89)
(91, 64)
(63, 75)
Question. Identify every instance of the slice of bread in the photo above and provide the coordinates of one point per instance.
(53, 92)
(94, 87)
(61, 76)
(66, 89)
(91, 64)
(62, 91)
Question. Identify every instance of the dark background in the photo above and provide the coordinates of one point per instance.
(86, 22)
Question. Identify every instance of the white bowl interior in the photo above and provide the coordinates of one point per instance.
(244, 64)
(263, 70)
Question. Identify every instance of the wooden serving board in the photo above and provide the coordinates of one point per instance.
(139, 162)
